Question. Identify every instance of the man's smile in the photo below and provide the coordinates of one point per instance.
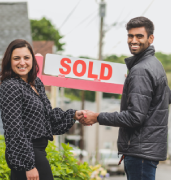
(135, 46)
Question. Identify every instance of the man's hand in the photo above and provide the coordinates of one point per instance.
(32, 174)
(90, 118)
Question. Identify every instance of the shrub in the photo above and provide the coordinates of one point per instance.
(63, 164)
(4, 169)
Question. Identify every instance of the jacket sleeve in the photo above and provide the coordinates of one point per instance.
(61, 121)
(140, 92)
(19, 149)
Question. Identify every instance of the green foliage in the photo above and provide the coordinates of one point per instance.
(165, 59)
(75, 94)
(43, 30)
(116, 59)
(169, 79)
(4, 169)
(72, 97)
(63, 164)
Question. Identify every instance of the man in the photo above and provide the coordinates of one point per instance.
(144, 112)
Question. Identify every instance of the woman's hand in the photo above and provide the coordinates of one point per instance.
(32, 174)
(79, 114)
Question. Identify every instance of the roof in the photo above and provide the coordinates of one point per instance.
(14, 23)
(43, 47)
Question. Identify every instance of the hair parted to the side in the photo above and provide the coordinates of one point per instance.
(6, 70)
(141, 22)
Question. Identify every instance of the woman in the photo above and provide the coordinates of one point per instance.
(28, 118)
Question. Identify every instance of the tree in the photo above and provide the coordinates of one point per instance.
(116, 59)
(44, 30)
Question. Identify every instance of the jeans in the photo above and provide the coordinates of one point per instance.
(139, 168)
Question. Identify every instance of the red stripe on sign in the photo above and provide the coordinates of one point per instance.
(82, 84)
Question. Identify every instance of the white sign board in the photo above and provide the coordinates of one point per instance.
(86, 69)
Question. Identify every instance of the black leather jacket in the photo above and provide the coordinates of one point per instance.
(143, 119)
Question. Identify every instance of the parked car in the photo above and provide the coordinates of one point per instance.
(110, 159)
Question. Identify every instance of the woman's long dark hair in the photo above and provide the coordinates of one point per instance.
(6, 70)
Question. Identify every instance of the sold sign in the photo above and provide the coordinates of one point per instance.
(85, 74)
(86, 69)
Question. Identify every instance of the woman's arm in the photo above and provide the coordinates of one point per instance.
(61, 121)
(18, 147)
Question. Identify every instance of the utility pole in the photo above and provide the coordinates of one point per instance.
(102, 11)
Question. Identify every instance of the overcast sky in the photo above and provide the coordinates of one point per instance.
(81, 30)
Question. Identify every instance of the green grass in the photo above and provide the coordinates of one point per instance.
(72, 97)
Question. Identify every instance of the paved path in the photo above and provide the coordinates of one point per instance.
(163, 173)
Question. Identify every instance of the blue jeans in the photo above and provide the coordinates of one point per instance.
(139, 168)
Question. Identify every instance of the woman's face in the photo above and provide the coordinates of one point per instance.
(21, 62)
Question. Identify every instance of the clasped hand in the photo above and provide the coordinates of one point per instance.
(86, 117)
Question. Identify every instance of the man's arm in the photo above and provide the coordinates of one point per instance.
(139, 98)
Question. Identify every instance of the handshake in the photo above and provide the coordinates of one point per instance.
(86, 117)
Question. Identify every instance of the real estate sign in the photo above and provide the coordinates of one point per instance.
(80, 73)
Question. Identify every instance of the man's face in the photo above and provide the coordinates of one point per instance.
(138, 40)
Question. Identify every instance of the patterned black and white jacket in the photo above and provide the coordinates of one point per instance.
(26, 116)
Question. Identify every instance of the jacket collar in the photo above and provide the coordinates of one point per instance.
(133, 60)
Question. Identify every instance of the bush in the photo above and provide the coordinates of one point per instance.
(4, 169)
(63, 164)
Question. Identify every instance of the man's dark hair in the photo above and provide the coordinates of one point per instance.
(6, 70)
(141, 22)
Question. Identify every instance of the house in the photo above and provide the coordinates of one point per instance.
(14, 25)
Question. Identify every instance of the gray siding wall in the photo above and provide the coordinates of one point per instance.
(14, 24)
